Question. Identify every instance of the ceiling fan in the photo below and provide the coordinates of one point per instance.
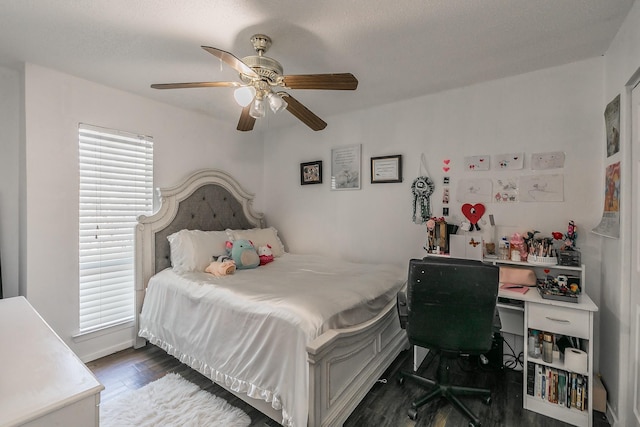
(261, 80)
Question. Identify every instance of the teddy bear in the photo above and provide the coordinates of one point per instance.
(265, 254)
(243, 253)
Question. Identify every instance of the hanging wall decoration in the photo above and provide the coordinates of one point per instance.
(612, 123)
(505, 190)
(610, 223)
(473, 213)
(345, 167)
(544, 161)
(422, 189)
(474, 190)
(446, 195)
(541, 188)
(511, 161)
(477, 163)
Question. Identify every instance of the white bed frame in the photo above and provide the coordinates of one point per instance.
(343, 364)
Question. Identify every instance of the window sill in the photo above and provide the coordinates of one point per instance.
(95, 333)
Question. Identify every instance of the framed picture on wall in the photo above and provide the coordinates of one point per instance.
(386, 169)
(311, 172)
(345, 168)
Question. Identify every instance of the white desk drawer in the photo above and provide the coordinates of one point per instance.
(559, 320)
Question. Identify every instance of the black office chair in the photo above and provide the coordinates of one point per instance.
(450, 307)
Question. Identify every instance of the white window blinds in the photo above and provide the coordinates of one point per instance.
(116, 186)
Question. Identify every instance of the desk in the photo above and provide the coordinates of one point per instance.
(557, 317)
(43, 382)
(530, 311)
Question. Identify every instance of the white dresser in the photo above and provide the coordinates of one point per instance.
(42, 382)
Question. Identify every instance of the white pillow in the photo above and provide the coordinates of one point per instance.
(260, 237)
(192, 250)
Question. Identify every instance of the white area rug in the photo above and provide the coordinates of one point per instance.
(171, 401)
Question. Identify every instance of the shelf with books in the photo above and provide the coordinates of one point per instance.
(558, 387)
(558, 382)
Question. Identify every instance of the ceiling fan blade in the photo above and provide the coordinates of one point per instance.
(246, 122)
(303, 113)
(343, 81)
(195, 84)
(232, 60)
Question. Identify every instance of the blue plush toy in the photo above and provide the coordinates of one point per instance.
(243, 253)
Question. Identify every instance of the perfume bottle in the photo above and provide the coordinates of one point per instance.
(503, 249)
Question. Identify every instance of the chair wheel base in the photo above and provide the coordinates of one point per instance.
(412, 413)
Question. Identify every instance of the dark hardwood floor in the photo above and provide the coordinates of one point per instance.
(384, 406)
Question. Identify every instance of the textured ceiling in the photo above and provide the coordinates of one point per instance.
(397, 49)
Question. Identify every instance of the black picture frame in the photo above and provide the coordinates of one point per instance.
(386, 169)
(311, 173)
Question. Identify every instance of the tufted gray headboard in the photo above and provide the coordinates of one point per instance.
(208, 200)
(209, 208)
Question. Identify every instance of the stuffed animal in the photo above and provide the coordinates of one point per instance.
(221, 268)
(243, 253)
(265, 254)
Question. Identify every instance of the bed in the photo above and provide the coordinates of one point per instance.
(302, 339)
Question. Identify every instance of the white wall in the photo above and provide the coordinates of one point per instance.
(10, 95)
(622, 60)
(557, 109)
(54, 105)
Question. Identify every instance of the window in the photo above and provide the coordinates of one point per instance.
(116, 186)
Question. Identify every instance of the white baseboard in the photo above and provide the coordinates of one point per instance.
(611, 417)
(107, 351)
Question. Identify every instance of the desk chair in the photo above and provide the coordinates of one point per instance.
(450, 305)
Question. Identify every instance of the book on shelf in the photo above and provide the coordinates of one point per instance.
(531, 377)
(562, 388)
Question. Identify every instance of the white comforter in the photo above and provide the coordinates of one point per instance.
(249, 330)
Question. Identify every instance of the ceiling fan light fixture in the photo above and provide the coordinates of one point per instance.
(244, 95)
(257, 110)
(261, 78)
(276, 103)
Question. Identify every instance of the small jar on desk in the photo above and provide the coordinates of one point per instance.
(503, 249)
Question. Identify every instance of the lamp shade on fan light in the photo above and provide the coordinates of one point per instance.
(276, 103)
(257, 109)
(244, 95)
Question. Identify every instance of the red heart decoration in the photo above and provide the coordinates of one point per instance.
(446, 168)
(546, 271)
(473, 212)
(446, 161)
